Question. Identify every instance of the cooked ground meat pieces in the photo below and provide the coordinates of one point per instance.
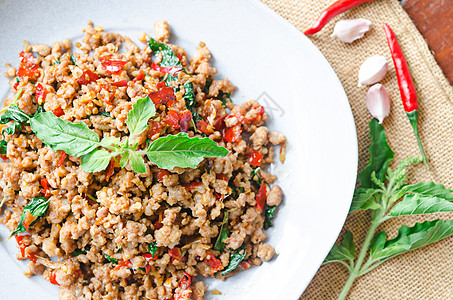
(118, 234)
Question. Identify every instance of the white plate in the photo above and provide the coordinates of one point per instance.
(269, 60)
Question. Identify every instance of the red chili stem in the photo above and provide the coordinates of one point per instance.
(406, 86)
(331, 12)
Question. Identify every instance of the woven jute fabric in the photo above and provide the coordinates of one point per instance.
(426, 273)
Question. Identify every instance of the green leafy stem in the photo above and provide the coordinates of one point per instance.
(383, 191)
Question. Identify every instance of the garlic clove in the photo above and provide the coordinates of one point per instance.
(373, 70)
(378, 102)
(350, 30)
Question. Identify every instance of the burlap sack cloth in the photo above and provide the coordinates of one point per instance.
(425, 273)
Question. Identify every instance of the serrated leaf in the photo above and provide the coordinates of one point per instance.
(420, 204)
(96, 161)
(380, 156)
(345, 251)
(137, 163)
(182, 151)
(364, 199)
(427, 189)
(124, 159)
(13, 113)
(411, 238)
(139, 115)
(75, 139)
(378, 242)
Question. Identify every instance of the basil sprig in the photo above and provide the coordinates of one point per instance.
(384, 192)
(235, 259)
(167, 152)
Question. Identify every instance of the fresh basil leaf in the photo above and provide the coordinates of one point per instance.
(182, 151)
(137, 163)
(223, 233)
(124, 159)
(255, 178)
(345, 251)
(39, 109)
(380, 156)
(75, 139)
(189, 97)
(73, 60)
(3, 147)
(37, 207)
(269, 215)
(378, 243)
(169, 58)
(12, 128)
(364, 199)
(96, 160)
(411, 238)
(138, 116)
(77, 252)
(235, 260)
(152, 249)
(224, 97)
(427, 189)
(105, 114)
(111, 259)
(13, 113)
(420, 204)
(110, 141)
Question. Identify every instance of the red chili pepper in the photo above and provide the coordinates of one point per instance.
(259, 111)
(113, 66)
(28, 66)
(147, 269)
(4, 157)
(33, 257)
(87, 77)
(184, 284)
(139, 77)
(62, 158)
(261, 197)
(119, 83)
(213, 262)
(406, 86)
(190, 186)
(154, 128)
(172, 119)
(232, 134)
(58, 112)
(158, 225)
(53, 278)
(175, 253)
(255, 158)
(16, 85)
(184, 120)
(331, 12)
(40, 93)
(160, 174)
(204, 127)
(149, 256)
(169, 70)
(121, 264)
(110, 169)
(221, 177)
(163, 95)
(45, 186)
(20, 243)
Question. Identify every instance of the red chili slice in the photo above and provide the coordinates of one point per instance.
(204, 127)
(259, 112)
(110, 169)
(149, 256)
(160, 174)
(190, 186)
(122, 264)
(261, 197)
(87, 77)
(113, 66)
(175, 253)
(139, 77)
(213, 262)
(184, 120)
(4, 157)
(40, 93)
(163, 95)
(120, 83)
(245, 264)
(28, 66)
(172, 119)
(20, 243)
(255, 158)
(62, 158)
(53, 278)
(168, 70)
(158, 225)
(154, 128)
(232, 134)
(45, 186)
(58, 112)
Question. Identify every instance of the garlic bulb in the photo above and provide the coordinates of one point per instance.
(378, 102)
(350, 30)
(373, 70)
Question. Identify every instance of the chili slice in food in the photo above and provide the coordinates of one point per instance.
(261, 197)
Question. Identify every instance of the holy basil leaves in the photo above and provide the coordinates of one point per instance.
(152, 249)
(111, 259)
(235, 259)
(223, 233)
(37, 207)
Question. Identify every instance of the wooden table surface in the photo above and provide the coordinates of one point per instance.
(434, 19)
